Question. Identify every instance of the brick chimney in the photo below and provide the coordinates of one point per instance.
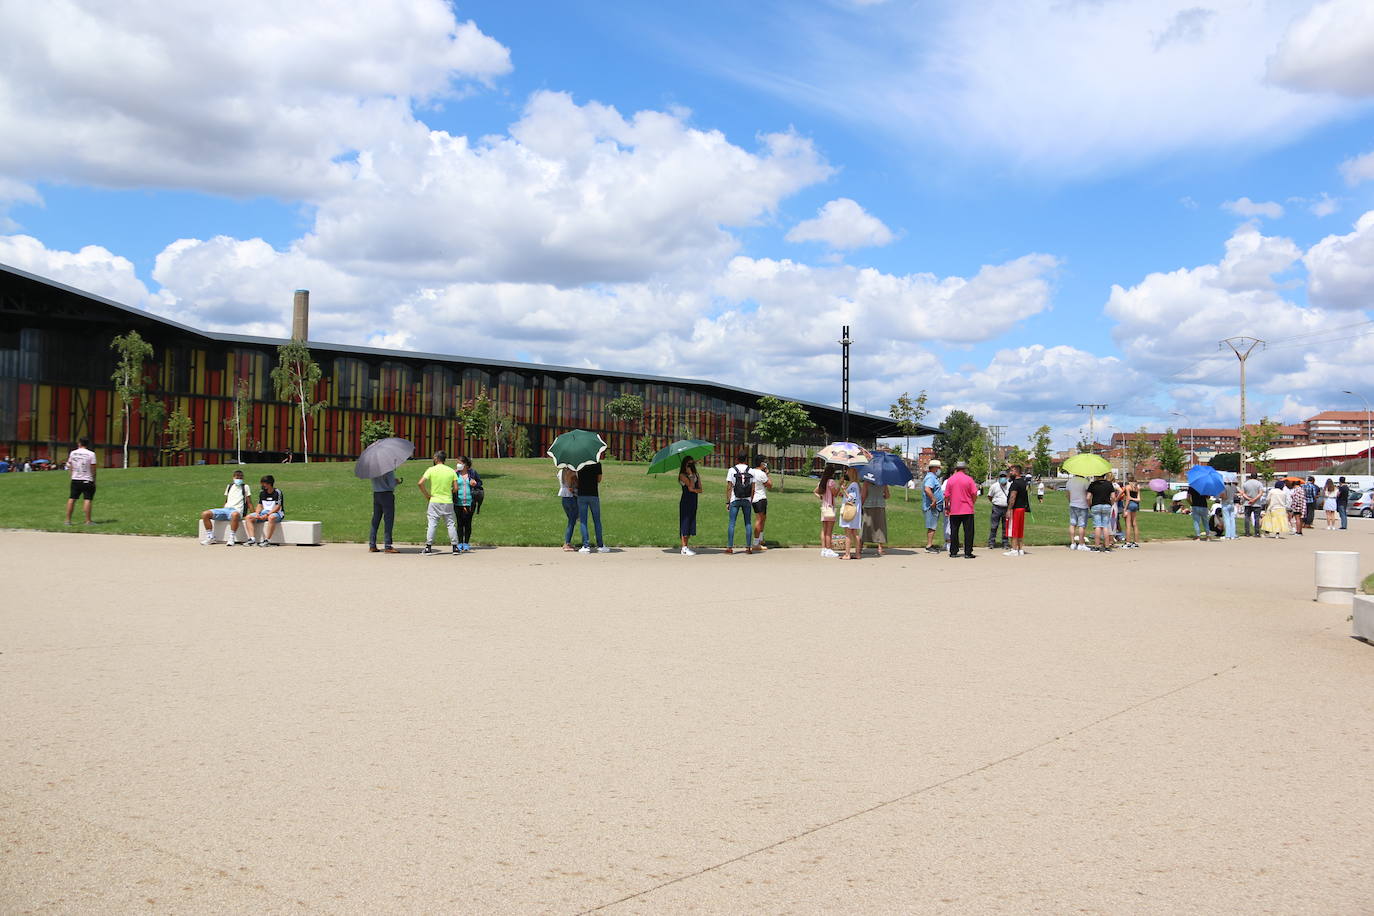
(300, 318)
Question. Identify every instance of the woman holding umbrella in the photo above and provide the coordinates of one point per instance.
(687, 505)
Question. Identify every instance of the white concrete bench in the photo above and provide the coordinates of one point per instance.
(290, 531)
(1362, 617)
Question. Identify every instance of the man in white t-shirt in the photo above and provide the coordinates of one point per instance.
(997, 496)
(82, 463)
(1078, 513)
(238, 502)
(739, 497)
(762, 484)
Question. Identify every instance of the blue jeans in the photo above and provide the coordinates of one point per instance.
(1200, 521)
(570, 510)
(383, 510)
(1228, 518)
(736, 506)
(1341, 510)
(591, 504)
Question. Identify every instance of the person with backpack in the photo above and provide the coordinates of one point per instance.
(238, 502)
(739, 497)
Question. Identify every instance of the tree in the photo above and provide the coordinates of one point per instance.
(238, 420)
(376, 431)
(644, 450)
(1017, 455)
(500, 430)
(1256, 441)
(520, 442)
(154, 414)
(1226, 461)
(178, 434)
(475, 415)
(1172, 458)
(628, 409)
(958, 440)
(780, 424)
(979, 467)
(1041, 458)
(295, 379)
(128, 377)
(907, 413)
(1140, 450)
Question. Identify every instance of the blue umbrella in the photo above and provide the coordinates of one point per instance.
(886, 469)
(1206, 480)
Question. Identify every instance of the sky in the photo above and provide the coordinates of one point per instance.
(1018, 206)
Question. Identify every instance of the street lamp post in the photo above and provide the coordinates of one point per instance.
(1368, 436)
(1192, 455)
(844, 343)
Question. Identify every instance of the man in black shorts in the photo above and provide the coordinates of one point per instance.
(82, 463)
(762, 484)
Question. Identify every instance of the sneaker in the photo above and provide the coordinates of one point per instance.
(1010, 553)
(427, 551)
(688, 552)
(455, 550)
(584, 549)
(230, 542)
(207, 540)
(251, 542)
(1022, 553)
(603, 550)
(828, 553)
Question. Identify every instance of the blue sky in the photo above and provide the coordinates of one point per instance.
(1017, 205)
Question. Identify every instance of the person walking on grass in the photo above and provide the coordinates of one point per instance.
(81, 462)
(437, 485)
(567, 496)
(1040, 491)
(1100, 493)
(762, 484)
(690, 480)
(238, 503)
(1018, 504)
(874, 497)
(961, 496)
(851, 515)
(271, 509)
(1252, 505)
(933, 503)
(589, 503)
(997, 499)
(383, 510)
(825, 491)
(739, 499)
(1077, 489)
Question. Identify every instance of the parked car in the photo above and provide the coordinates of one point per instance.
(1363, 506)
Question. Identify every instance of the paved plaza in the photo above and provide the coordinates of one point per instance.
(1179, 729)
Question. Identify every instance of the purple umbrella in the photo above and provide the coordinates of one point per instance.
(1159, 485)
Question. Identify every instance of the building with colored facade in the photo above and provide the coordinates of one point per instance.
(55, 385)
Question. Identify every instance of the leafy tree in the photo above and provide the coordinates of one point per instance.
(154, 416)
(376, 431)
(238, 420)
(979, 460)
(1141, 450)
(1041, 457)
(1257, 441)
(295, 379)
(958, 440)
(520, 441)
(781, 423)
(1085, 446)
(1226, 461)
(475, 415)
(128, 379)
(178, 434)
(1017, 455)
(908, 412)
(644, 450)
(500, 430)
(1172, 458)
(628, 409)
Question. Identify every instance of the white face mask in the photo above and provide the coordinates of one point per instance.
(460, 466)
(238, 481)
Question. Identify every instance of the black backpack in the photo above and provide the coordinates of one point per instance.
(744, 483)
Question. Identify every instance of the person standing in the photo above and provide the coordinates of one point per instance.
(825, 491)
(589, 503)
(1312, 495)
(739, 498)
(874, 498)
(1329, 504)
(933, 503)
(851, 515)
(271, 510)
(1342, 500)
(1018, 504)
(437, 485)
(1198, 504)
(1297, 508)
(1252, 504)
(997, 498)
(464, 502)
(1100, 493)
(762, 484)
(1228, 510)
(1077, 488)
(961, 496)
(690, 480)
(1040, 491)
(1276, 512)
(81, 462)
(383, 510)
(567, 496)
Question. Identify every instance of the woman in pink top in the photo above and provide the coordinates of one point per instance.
(825, 490)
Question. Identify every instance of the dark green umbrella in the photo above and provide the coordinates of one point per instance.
(576, 449)
(670, 458)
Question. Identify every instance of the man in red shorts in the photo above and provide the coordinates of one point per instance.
(1018, 504)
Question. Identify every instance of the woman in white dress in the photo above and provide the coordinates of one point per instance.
(1329, 505)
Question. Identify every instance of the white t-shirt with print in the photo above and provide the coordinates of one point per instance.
(760, 479)
(80, 462)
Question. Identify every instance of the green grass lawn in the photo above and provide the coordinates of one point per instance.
(521, 509)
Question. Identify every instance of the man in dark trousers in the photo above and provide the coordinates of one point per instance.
(1342, 499)
(383, 509)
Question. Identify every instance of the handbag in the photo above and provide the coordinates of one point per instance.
(827, 513)
(847, 512)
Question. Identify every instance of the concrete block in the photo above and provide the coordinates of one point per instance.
(1362, 623)
(1338, 575)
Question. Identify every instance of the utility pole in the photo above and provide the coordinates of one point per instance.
(844, 343)
(996, 443)
(1092, 429)
(1242, 347)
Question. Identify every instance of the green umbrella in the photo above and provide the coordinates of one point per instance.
(1085, 464)
(576, 449)
(670, 458)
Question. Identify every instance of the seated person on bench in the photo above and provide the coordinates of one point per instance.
(271, 508)
(237, 502)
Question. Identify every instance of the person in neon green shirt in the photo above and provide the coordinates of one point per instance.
(437, 484)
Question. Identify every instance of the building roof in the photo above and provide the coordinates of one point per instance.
(862, 425)
(1339, 416)
(1333, 451)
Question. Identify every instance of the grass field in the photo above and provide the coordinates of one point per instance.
(521, 507)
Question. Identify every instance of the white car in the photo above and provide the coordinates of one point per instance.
(1363, 506)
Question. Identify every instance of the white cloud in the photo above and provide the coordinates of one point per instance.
(843, 225)
(93, 269)
(1250, 208)
(252, 97)
(1358, 169)
(1324, 205)
(1329, 49)
(1340, 268)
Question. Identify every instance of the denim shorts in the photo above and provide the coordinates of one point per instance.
(933, 519)
(222, 515)
(266, 516)
(1102, 516)
(1078, 516)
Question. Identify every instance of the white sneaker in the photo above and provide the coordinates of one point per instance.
(688, 552)
(1022, 553)
(251, 542)
(207, 540)
(229, 541)
(603, 550)
(828, 553)
(1011, 553)
(584, 549)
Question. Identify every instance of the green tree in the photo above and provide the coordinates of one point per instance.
(1172, 458)
(295, 378)
(1041, 458)
(628, 409)
(178, 434)
(237, 421)
(1141, 450)
(376, 431)
(1257, 441)
(1017, 455)
(520, 441)
(644, 450)
(958, 440)
(780, 424)
(129, 385)
(907, 413)
(154, 414)
(475, 415)
(500, 431)
(980, 457)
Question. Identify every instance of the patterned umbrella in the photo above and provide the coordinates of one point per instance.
(845, 453)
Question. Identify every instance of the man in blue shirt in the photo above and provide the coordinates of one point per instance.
(933, 502)
(1312, 492)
